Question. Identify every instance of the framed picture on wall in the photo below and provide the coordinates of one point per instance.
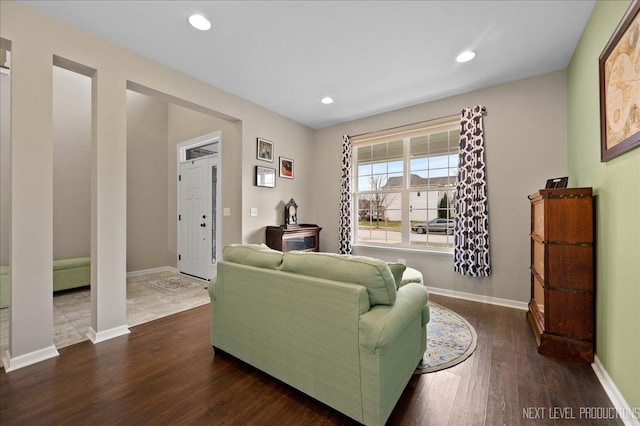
(619, 66)
(264, 150)
(286, 168)
(265, 176)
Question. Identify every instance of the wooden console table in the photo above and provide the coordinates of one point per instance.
(305, 237)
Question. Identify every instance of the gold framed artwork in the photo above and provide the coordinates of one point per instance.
(619, 67)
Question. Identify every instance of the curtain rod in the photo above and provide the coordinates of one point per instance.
(483, 110)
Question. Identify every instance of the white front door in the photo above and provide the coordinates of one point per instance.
(194, 219)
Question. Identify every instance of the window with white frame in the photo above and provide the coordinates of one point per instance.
(405, 181)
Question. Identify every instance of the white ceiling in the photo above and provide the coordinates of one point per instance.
(370, 56)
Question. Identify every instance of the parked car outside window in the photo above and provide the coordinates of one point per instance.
(435, 225)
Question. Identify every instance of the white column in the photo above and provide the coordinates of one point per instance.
(108, 206)
(31, 253)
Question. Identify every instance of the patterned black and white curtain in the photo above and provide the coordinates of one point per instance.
(344, 228)
(471, 249)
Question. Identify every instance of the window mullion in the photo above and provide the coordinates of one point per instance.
(355, 208)
(406, 199)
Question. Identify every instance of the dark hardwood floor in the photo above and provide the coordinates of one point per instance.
(165, 372)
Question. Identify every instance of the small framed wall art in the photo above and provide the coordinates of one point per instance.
(266, 177)
(286, 168)
(264, 150)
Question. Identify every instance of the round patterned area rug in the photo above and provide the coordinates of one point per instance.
(450, 340)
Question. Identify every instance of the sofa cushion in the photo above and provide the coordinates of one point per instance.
(258, 255)
(374, 274)
(397, 269)
(411, 276)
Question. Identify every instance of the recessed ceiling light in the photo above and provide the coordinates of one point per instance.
(466, 56)
(326, 100)
(199, 22)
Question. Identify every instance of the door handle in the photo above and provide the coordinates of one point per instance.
(203, 225)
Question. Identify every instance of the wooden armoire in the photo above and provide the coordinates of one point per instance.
(562, 306)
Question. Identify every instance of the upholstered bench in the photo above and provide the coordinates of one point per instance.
(67, 273)
(4, 287)
(71, 273)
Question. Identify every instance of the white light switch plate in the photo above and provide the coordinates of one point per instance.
(254, 211)
(226, 211)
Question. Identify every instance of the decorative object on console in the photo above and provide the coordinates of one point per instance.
(265, 176)
(286, 168)
(305, 237)
(264, 150)
(562, 307)
(291, 214)
(619, 76)
(560, 182)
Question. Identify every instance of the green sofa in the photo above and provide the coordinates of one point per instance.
(334, 327)
(67, 274)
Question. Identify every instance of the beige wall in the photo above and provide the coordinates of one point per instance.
(146, 182)
(154, 129)
(526, 143)
(296, 144)
(35, 40)
(71, 164)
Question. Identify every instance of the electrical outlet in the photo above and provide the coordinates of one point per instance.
(403, 261)
(226, 211)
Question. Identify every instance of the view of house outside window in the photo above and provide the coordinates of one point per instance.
(405, 188)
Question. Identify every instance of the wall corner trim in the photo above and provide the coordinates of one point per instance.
(101, 336)
(11, 364)
(623, 409)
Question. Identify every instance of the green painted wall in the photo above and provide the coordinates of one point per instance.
(616, 184)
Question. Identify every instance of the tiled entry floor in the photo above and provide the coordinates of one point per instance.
(149, 297)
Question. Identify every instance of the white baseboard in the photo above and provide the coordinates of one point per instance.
(152, 271)
(625, 412)
(479, 298)
(11, 364)
(101, 336)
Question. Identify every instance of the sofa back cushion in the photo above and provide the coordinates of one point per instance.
(366, 271)
(397, 269)
(258, 255)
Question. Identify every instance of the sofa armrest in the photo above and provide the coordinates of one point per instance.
(382, 324)
(211, 288)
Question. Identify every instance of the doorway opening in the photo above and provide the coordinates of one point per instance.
(72, 147)
(199, 198)
(5, 192)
